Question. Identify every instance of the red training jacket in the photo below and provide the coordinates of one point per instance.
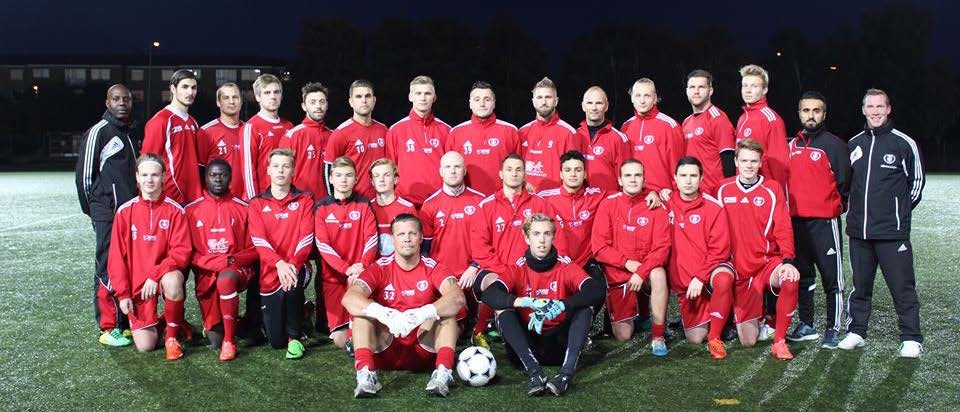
(560, 282)
(281, 229)
(709, 133)
(604, 154)
(384, 216)
(416, 144)
(578, 211)
(760, 228)
(218, 140)
(814, 189)
(218, 229)
(656, 140)
(260, 137)
(308, 141)
(172, 135)
(543, 142)
(446, 221)
(484, 143)
(363, 145)
(625, 228)
(701, 240)
(346, 233)
(759, 122)
(497, 234)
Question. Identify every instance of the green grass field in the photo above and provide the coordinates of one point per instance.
(49, 358)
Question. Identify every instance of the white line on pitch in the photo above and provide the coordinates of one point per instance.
(39, 222)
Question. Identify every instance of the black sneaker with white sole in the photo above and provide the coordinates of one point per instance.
(560, 384)
(536, 384)
(830, 339)
(803, 332)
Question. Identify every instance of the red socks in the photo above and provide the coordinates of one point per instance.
(364, 357)
(229, 306)
(173, 312)
(786, 306)
(657, 330)
(484, 315)
(445, 358)
(720, 303)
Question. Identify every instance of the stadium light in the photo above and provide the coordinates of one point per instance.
(36, 90)
(834, 68)
(154, 45)
(779, 54)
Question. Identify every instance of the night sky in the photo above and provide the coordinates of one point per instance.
(247, 28)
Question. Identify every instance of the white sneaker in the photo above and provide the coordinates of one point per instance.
(766, 333)
(440, 381)
(910, 349)
(851, 341)
(367, 383)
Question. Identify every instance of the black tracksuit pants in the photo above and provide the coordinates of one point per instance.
(818, 247)
(895, 258)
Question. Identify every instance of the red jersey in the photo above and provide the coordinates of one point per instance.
(577, 210)
(759, 122)
(172, 135)
(308, 141)
(484, 143)
(497, 234)
(260, 136)
(221, 141)
(416, 144)
(708, 133)
(363, 145)
(281, 229)
(446, 221)
(760, 228)
(560, 282)
(149, 240)
(396, 288)
(543, 142)
(625, 228)
(346, 233)
(218, 229)
(385, 215)
(814, 186)
(604, 153)
(656, 140)
(701, 240)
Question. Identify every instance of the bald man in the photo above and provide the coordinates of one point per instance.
(105, 180)
(607, 148)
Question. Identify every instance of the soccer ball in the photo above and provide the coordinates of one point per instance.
(476, 366)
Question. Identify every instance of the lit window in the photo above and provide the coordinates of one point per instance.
(75, 77)
(100, 74)
(226, 76)
(136, 75)
(16, 74)
(166, 74)
(41, 73)
(249, 75)
(166, 96)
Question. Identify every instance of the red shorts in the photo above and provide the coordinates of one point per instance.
(621, 304)
(337, 315)
(695, 312)
(209, 297)
(407, 354)
(748, 293)
(144, 313)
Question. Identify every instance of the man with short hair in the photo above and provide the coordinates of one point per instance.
(760, 123)
(223, 256)
(545, 138)
(308, 141)
(172, 134)
(261, 134)
(819, 181)
(360, 137)
(708, 132)
(633, 244)
(886, 184)
(484, 140)
(656, 140)
(415, 143)
(576, 205)
(346, 235)
(761, 240)
(387, 205)
(106, 170)
(549, 294)
(220, 137)
(404, 311)
(606, 146)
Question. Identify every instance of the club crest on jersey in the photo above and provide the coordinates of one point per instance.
(164, 224)
(699, 131)
(889, 158)
(293, 206)
(758, 201)
(493, 142)
(469, 210)
(380, 142)
(354, 215)
(694, 218)
(553, 286)
(815, 155)
(648, 139)
(747, 132)
(527, 213)
(598, 150)
(422, 285)
(435, 142)
(642, 221)
(584, 214)
(217, 245)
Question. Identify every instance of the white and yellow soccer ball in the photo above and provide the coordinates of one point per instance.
(476, 366)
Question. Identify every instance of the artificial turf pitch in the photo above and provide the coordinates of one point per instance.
(49, 358)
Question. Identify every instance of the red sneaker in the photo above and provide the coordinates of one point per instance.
(228, 351)
(781, 350)
(717, 350)
(174, 351)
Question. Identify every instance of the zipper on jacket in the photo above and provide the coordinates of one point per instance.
(896, 210)
(866, 185)
(115, 205)
(151, 215)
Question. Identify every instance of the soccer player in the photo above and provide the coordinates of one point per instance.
(656, 140)
(701, 275)
(222, 258)
(632, 242)
(554, 297)
(576, 205)
(172, 134)
(220, 138)
(761, 239)
(261, 134)
(346, 237)
(387, 205)
(308, 140)
(483, 140)
(360, 137)
(281, 227)
(819, 182)
(149, 250)
(404, 312)
(708, 132)
(886, 184)
(106, 170)
(760, 123)
(606, 146)
(415, 143)
(545, 138)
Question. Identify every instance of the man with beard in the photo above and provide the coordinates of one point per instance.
(546, 138)
(172, 135)
(708, 132)
(308, 140)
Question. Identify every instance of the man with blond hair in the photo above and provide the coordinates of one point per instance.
(220, 137)
(261, 134)
(759, 122)
(655, 139)
(545, 138)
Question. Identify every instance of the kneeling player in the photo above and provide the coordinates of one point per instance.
(281, 228)
(762, 242)
(222, 256)
(404, 312)
(149, 251)
(555, 298)
(700, 272)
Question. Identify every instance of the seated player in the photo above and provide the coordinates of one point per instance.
(281, 227)
(761, 238)
(222, 258)
(404, 313)
(346, 234)
(387, 204)
(554, 297)
(633, 244)
(701, 275)
(149, 251)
